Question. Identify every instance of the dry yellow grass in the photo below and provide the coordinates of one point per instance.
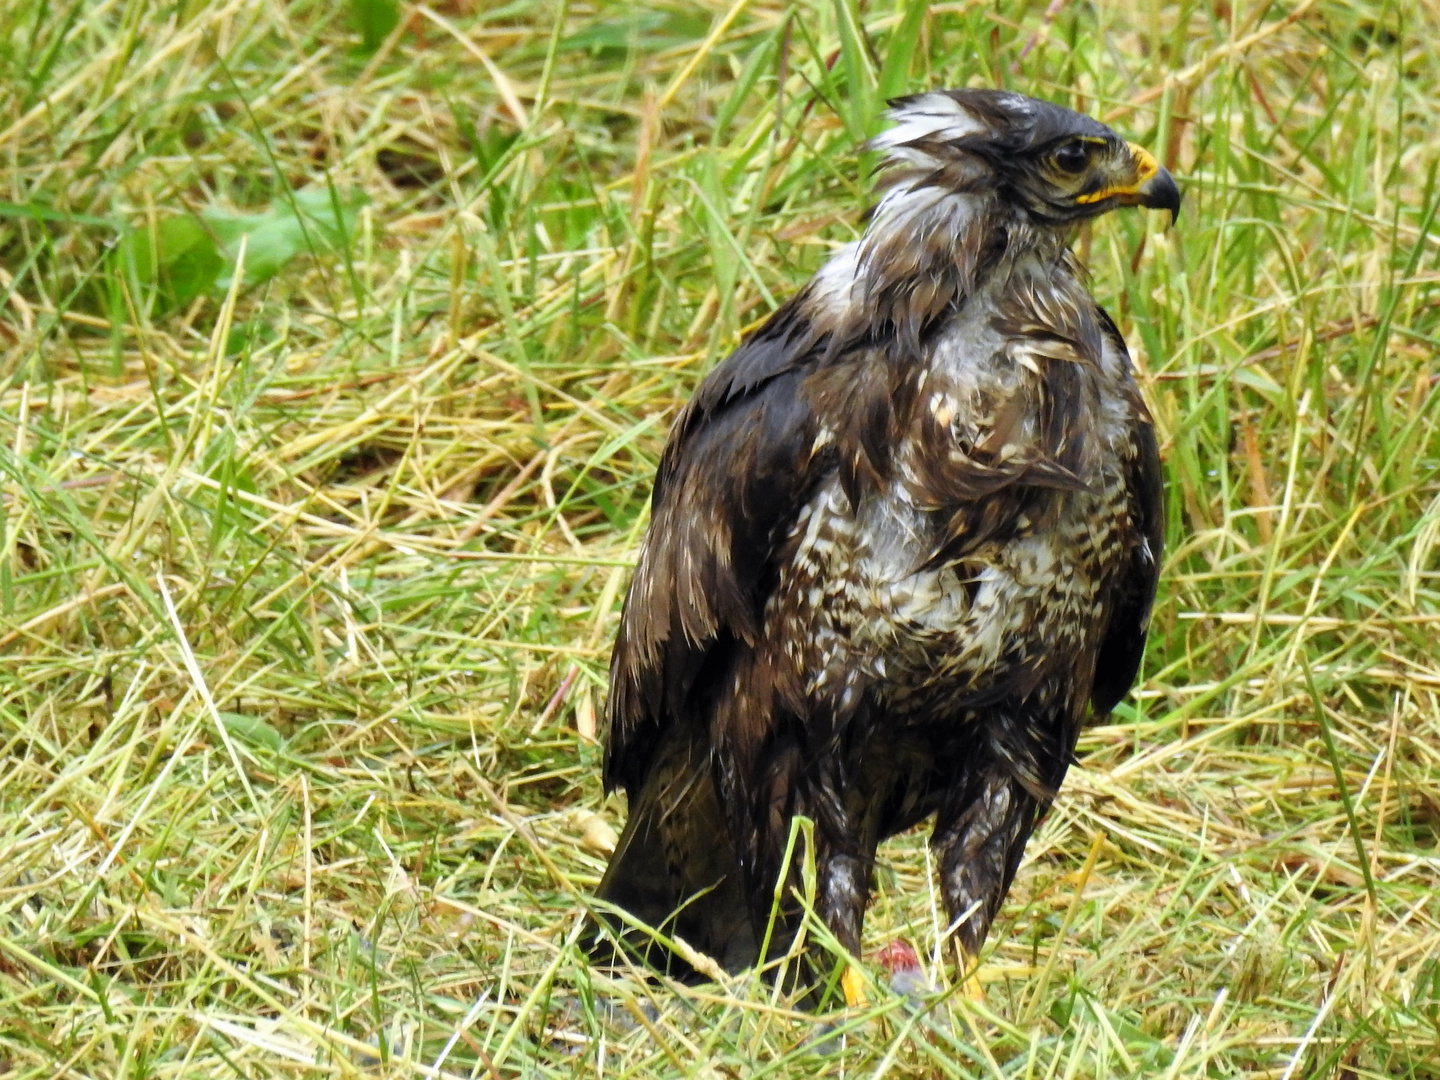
(336, 351)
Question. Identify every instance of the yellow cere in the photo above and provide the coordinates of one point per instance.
(1145, 164)
(1145, 167)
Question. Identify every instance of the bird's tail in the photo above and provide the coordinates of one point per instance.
(675, 869)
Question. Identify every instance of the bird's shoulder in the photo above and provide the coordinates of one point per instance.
(742, 457)
(1122, 646)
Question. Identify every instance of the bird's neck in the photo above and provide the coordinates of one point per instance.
(968, 236)
(926, 251)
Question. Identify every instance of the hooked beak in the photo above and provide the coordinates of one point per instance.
(1152, 186)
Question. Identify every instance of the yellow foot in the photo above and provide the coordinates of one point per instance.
(972, 990)
(853, 983)
(969, 966)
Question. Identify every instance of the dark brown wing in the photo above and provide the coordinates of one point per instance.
(739, 464)
(1118, 661)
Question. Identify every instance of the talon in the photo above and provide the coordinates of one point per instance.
(972, 990)
(969, 969)
(853, 983)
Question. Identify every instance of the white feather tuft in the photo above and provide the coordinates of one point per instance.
(832, 288)
(927, 116)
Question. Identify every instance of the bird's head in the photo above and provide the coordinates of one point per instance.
(1058, 165)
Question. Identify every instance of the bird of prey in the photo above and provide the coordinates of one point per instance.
(904, 540)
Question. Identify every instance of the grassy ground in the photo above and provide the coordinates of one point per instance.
(337, 346)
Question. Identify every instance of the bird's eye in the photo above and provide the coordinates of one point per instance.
(1072, 157)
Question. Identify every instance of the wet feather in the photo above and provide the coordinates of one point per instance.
(904, 540)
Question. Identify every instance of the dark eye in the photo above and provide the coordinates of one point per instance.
(1071, 157)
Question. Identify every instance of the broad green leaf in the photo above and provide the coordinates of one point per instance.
(253, 730)
(185, 256)
(307, 221)
(375, 19)
(179, 255)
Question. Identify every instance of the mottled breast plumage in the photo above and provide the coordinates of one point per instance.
(983, 554)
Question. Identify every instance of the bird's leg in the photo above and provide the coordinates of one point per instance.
(848, 835)
(844, 891)
(979, 837)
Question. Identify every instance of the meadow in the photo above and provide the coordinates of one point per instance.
(338, 344)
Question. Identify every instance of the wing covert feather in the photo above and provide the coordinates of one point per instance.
(1123, 646)
(739, 463)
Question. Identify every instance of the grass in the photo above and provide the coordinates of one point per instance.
(338, 343)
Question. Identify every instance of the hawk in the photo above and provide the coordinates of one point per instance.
(904, 540)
